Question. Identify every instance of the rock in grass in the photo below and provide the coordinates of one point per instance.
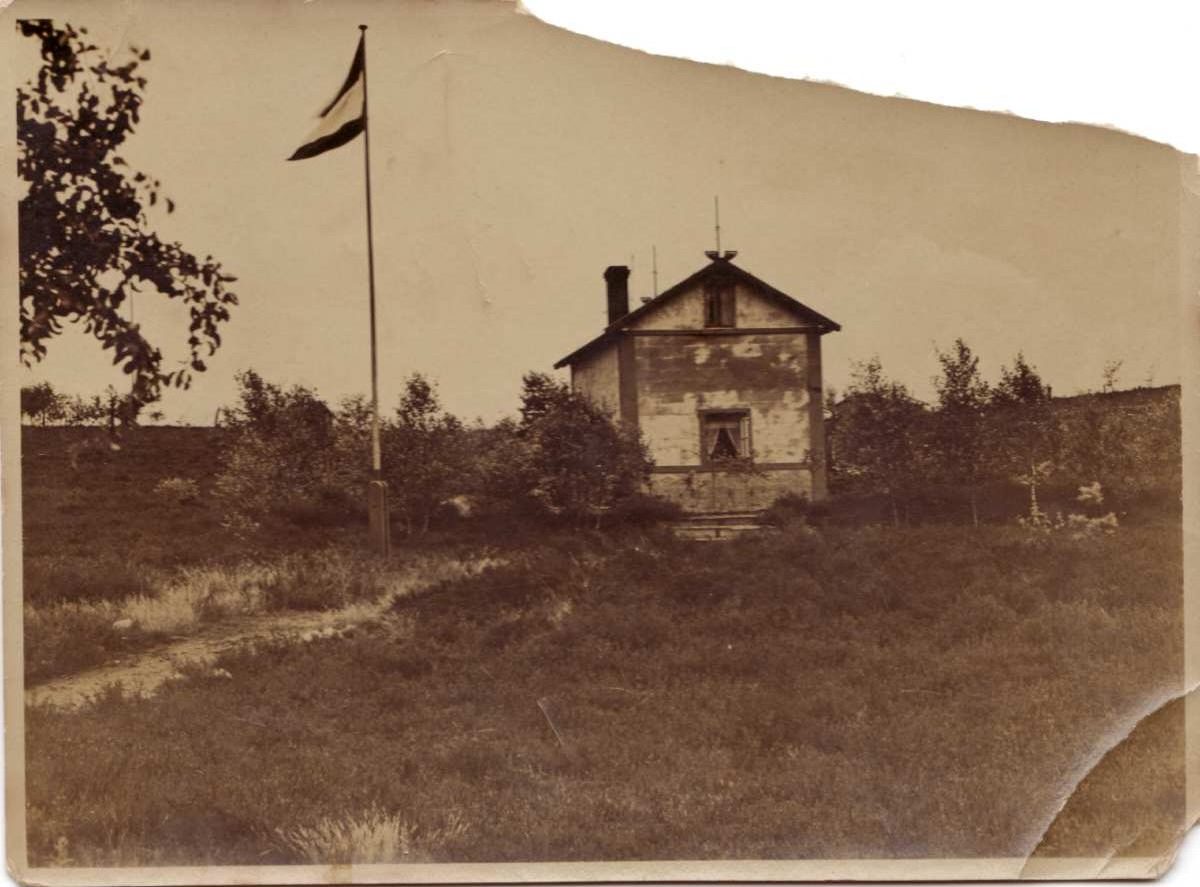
(123, 625)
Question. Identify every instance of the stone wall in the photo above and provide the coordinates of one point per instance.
(705, 491)
(679, 375)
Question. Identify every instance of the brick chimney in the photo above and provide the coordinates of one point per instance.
(617, 279)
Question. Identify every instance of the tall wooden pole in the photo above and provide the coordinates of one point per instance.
(377, 504)
(376, 451)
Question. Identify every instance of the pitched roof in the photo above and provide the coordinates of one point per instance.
(719, 266)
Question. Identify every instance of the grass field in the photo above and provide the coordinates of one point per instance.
(105, 544)
(844, 692)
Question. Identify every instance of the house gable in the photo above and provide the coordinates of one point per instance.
(752, 310)
(758, 305)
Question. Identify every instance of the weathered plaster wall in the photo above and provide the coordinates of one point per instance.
(707, 492)
(665, 370)
(597, 378)
(686, 312)
(679, 375)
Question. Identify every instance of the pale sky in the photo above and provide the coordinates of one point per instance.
(513, 161)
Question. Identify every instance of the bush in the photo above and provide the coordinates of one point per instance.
(787, 510)
(569, 456)
(326, 506)
(294, 460)
(644, 510)
(427, 455)
(81, 579)
(284, 461)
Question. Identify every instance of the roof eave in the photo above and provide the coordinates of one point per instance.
(583, 350)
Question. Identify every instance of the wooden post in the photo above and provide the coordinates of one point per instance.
(378, 520)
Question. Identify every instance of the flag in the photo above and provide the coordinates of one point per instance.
(344, 117)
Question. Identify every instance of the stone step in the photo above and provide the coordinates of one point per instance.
(722, 518)
(709, 534)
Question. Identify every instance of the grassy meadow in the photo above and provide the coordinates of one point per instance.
(106, 541)
(830, 691)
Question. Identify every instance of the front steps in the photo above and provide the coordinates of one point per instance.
(718, 526)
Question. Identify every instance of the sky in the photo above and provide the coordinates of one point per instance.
(513, 161)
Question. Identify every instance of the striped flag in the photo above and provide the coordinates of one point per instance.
(344, 117)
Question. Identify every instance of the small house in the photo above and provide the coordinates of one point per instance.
(722, 375)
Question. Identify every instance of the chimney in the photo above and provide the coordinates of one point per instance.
(617, 279)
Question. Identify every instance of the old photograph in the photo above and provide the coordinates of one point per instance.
(439, 446)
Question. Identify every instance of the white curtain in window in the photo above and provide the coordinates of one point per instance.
(726, 435)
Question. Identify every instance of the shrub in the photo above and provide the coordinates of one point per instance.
(427, 454)
(41, 403)
(569, 456)
(284, 457)
(644, 510)
(65, 578)
(324, 506)
(787, 510)
(1078, 525)
(297, 461)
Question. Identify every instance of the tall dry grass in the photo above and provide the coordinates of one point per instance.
(74, 630)
(371, 837)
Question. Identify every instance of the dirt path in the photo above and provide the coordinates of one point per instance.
(141, 674)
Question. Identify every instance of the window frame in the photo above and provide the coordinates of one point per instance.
(746, 429)
(723, 294)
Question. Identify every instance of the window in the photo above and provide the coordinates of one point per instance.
(726, 436)
(719, 305)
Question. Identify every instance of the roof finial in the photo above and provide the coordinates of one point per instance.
(654, 267)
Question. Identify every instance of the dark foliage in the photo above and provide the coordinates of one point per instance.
(571, 456)
(792, 509)
(85, 241)
(40, 403)
(643, 510)
(992, 454)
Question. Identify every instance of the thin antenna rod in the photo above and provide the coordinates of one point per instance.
(654, 267)
(717, 215)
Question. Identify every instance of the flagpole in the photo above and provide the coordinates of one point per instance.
(377, 493)
(376, 452)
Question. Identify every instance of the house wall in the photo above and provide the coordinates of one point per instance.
(597, 378)
(679, 375)
(686, 311)
(667, 368)
(716, 491)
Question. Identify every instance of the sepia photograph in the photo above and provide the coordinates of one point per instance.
(442, 447)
